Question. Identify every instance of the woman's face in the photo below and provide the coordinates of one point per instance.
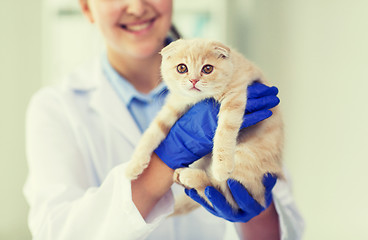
(131, 28)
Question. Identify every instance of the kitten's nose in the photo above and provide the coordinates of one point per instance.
(193, 81)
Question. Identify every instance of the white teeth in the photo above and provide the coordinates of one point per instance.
(138, 27)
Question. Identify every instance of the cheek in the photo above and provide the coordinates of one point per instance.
(175, 81)
(106, 14)
(213, 82)
(162, 5)
(164, 8)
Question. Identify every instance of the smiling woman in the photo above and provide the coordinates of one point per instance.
(138, 28)
(81, 134)
(133, 31)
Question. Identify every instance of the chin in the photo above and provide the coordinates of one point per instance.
(147, 52)
(194, 95)
(146, 49)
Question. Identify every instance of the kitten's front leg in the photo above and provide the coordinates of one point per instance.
(153, 136)
(225, 139)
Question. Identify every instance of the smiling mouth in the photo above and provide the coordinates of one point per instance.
(137, 27)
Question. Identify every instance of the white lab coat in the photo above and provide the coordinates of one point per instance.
(79, 138)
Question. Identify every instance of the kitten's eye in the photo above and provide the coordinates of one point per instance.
(207, 69)
(182, 68)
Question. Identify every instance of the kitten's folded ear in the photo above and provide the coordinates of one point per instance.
(222, 50)
(169, 50)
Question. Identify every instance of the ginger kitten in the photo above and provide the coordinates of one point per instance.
(197, 69)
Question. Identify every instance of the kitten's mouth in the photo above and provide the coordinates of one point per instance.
(195, 89)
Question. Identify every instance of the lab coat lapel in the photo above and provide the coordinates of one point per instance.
(106, 102)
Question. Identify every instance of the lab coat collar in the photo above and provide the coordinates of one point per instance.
(105, 101)
(85, 78)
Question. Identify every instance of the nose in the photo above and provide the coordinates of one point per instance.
(135, 7)
(193, 81)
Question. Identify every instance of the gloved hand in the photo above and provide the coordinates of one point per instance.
(248, 207)
(191, 136)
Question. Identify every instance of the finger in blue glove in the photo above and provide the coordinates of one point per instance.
(258, 90)
(255, 117)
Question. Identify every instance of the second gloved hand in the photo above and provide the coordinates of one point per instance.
(248, 206)
(191, 137)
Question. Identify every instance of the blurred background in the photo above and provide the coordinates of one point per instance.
(314, 51)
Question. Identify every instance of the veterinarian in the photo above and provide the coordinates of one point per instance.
(81, 133)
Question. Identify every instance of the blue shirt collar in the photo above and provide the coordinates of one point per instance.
(125, 89)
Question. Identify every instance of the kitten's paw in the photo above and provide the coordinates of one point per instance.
(183, 177)
(138, 162)
(133, 170)
(191, 178)
(176, 176)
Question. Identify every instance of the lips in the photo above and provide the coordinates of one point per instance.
(138, 26)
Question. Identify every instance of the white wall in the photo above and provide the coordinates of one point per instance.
(20, 76)
(316, 52)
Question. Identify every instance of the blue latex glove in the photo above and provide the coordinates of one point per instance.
(191, 136)
(248, 207)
